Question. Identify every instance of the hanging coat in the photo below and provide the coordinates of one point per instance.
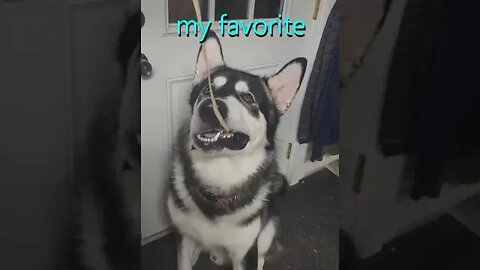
(432, 101)
(319, 119)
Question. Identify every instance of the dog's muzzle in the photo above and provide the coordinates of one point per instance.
(210, 136)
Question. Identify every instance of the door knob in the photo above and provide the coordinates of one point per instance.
(146, 67)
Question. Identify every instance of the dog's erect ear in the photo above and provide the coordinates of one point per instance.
(214, 56)
(285, 83)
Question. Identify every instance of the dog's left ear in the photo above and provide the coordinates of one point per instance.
(285, 83)
(214, 56)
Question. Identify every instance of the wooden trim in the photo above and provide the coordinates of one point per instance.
(211, 10)
(156, 236)
(251, 10)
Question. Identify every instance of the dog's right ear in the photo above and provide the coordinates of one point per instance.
(214, 56)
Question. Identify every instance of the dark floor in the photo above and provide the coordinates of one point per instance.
(443, 244)
(309, 231)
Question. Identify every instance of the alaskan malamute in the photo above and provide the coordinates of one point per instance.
(225, 186)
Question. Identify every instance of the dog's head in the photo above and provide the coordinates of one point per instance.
(251, 105)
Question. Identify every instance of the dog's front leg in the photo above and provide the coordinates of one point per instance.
(187, 253)
(238, 265)
(249, 261)
(261, 262)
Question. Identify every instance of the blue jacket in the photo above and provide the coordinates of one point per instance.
(319, 119)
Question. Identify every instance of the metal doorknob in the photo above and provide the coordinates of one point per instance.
(146, 67)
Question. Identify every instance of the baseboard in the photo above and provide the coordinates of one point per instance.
(334, 167)
(325, 163)
(156, 236)
(468, 213)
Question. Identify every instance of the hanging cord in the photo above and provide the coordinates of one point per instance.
(222, 121)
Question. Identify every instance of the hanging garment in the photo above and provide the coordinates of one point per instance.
(432, 101)
(319, 119)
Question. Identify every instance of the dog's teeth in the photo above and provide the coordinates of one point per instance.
(208, 139)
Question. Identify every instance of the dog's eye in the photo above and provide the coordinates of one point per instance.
(247, 97)
(206, 91)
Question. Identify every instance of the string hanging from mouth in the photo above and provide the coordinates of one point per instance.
(217, 113)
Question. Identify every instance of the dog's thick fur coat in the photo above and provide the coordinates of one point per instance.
(225, 188)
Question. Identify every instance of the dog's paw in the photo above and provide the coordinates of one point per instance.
(195, 255)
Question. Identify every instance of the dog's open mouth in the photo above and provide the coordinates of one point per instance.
(217, 139)
(211, 136)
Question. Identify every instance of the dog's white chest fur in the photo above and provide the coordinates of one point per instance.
(212, 234)
(225, 231)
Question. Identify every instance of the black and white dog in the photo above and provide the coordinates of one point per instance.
(224, 187)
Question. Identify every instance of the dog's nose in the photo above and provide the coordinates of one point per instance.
(208, 115)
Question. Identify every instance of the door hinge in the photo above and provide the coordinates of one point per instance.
(359, 173)
(316, 8)
(289, 150)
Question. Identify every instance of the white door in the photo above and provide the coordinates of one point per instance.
(164, 95)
